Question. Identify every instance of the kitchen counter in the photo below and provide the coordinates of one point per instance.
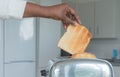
(114, 62)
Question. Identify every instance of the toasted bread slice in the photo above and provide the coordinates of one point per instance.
(83, 55)
(75, 39)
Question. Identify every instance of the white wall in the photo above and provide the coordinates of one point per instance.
(102, 48)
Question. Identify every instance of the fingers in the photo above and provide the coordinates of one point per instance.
(70, 16)
(70, 19)
(75, 16)
(65, 26)
(66, 14)
(77, 19)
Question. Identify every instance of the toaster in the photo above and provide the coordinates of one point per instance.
(67, 67)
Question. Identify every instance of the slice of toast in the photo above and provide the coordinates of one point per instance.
(83, 55)
(75, 39)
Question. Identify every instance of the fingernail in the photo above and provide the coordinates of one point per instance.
(75, 23)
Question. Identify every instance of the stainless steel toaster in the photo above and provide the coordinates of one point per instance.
(67, 67)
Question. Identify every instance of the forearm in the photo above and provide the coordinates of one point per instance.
(57, 12)
(34, 10)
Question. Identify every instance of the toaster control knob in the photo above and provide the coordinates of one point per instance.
(43, 73)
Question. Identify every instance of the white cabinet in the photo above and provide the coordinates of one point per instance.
(1, 48)
(17, 48)
(20, 40)
(20, 48)
(99, 16)
(116, 71)
(105, 19)
(24, 69)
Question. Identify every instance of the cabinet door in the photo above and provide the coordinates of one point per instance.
(20, 40)
(1, 48)
(24, 69)
(105, 19)
(86, 13)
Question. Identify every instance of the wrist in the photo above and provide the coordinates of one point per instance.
(52, 12)
(46, 12)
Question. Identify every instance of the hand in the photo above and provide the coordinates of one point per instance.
(64, 13)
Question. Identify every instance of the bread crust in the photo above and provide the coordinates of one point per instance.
(83, 55)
